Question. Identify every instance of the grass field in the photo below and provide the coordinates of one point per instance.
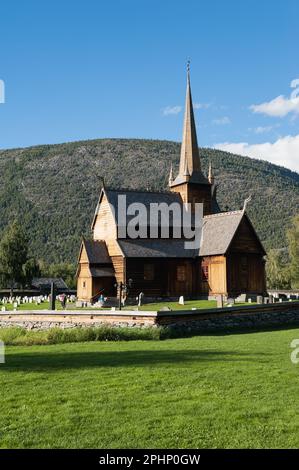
(230, 391)
(189, 304)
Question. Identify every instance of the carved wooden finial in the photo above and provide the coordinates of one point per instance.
(248, 199)
(211, 176)
(170, 179)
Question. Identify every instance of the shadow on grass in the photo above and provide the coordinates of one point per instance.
(185, 333)
(47, 361)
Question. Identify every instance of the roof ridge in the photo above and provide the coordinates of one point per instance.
(222, 214)
(137, 191)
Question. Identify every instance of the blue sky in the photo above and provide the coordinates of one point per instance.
(82, 70)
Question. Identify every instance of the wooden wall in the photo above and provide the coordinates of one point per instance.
(104, 226)
(246, 273)
(172, 277)
(195, 193)
(216, 282)
(84, 283)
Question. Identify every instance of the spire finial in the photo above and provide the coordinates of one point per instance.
(246, 202)
(188, 66)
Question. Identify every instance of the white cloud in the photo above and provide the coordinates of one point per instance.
(171, 110)
(263, 129)
(281, 105)
(201, 105)
(222, 121)
(284, 152)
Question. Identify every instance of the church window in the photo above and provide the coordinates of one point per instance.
(205, 273)
(84, 284)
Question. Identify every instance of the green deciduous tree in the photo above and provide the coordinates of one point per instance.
(278, 272)
(293, 240)
(13, 256)
(66, 271)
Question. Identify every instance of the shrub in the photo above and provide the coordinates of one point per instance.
(19, 336)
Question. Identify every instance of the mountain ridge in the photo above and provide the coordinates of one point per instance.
(53, 188)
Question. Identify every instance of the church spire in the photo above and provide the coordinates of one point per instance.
(189, 150)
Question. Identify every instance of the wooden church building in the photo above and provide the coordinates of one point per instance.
(230, 259)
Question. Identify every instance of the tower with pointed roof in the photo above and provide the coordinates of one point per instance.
(191, 183)
(228, 262)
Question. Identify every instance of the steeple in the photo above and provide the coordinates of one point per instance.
(189, 150)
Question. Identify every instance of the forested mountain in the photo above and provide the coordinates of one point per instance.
(53, 189)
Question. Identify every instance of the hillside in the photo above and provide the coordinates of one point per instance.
(53, 189)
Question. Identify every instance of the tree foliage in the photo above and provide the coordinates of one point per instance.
(66, 271)
(293, 239)
(53, 189)
(15, 266)
(278, 271)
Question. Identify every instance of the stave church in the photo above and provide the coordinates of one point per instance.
(230, 260)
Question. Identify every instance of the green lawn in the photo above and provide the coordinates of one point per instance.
(189, 304)
(33, 306)
(234, 391)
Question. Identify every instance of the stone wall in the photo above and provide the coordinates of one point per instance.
(35, 320)
(230, 318)
(227, 319)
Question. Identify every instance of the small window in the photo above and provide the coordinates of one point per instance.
(181, 273)
(205, 273)
(84, 284)
(149, 272)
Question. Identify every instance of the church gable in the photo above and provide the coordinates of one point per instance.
(104, 224)
(246, 239)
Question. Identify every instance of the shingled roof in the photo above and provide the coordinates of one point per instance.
(97, 252)
(218, 232)
(144, 197)
(155, 248)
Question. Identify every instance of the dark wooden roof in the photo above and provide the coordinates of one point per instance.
(97, 252)
(218, 232)
(144, 197)
(45, 283)
(102, 272)
(155, 248)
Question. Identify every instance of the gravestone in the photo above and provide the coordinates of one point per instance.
(259, 299)
(140, 297)
(219, 301)
(181, 300)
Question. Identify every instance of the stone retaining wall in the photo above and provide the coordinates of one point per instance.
(229, 318)
(36, 320)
